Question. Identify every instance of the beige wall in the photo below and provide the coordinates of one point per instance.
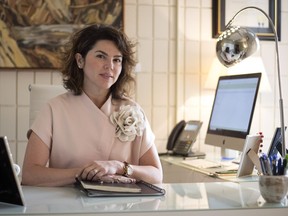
(175, 51)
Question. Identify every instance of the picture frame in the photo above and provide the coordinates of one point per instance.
(252, 19)
(34, 35)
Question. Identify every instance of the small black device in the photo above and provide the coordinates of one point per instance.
(276, 144)
(182, 137)
(10, 189)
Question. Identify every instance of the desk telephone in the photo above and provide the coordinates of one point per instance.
(182, 138)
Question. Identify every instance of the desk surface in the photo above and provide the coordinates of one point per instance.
(177, 161)
(218, 198)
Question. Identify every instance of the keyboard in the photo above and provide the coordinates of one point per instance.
(202, 163)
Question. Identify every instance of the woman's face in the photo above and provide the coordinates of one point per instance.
(102, 66)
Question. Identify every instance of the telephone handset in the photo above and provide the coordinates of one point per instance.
(182, 138)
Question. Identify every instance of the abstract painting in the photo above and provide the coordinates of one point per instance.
(34, 32)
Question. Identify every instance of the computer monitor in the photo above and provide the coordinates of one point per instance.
(275, 147)
(232, 111)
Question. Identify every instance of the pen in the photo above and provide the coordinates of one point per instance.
(273, 163)
(226, 173)
(263, 166)
(285, 166)
(267, 165)
(280, 168)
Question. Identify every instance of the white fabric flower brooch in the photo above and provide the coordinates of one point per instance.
(129, 122)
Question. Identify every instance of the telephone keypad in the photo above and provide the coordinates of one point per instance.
(182, 147)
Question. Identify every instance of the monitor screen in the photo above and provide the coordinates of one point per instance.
(232, 111)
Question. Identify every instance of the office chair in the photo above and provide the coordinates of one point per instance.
(39, 95)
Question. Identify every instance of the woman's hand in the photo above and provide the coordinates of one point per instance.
(98, 169)
(116, 179)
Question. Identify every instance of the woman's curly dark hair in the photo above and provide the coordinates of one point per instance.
(82, 42)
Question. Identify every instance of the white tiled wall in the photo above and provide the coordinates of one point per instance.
(175, 51)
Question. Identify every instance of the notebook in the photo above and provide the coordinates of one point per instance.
(10, 189)
(146, 189)
(111, 187)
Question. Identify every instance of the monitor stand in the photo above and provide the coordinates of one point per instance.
(229, 154)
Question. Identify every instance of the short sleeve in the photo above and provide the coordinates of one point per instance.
(42, 126)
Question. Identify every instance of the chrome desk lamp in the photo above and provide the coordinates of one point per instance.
(237, 43)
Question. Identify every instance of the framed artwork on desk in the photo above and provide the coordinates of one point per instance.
(224, 10)
(33, 32)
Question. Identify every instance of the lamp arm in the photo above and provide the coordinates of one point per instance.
(278, 69)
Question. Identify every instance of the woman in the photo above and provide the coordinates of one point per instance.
(95, 130)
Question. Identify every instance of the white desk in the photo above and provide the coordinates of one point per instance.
(218, 198)
(174, 171)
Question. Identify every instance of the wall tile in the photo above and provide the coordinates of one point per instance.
(160, 90)
(208, 53)
(192, 24)
(147, 2)
(206, 24)
(161, 2)
(180, 55)
(43, 77)
(267, 98)
(160, 122)
(180, 97)
(192, 3)
(255, 125)
(130, 20)
(283, 53)
(268, 121)
(181, 25)
(24, 80)
(284, 86)
(56, 78)
(144, 89)
(8, 122)
(161, 56)
(267, 50)
(172, 22)
(284, 30)
(284, 5)
(171, 90)
(129, 2)
(192, 59)
(145, 55)
(171, 119)
(161, 145)
(172, 56)
(145, 21)
(22, 123)
(192, 90)
(192, 113)
(161, 22)
(206, 3)
(8, 88)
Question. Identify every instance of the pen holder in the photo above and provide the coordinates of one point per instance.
(273, 188)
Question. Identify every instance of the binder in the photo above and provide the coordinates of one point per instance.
(147, 189)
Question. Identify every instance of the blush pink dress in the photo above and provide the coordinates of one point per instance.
(77, 132)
